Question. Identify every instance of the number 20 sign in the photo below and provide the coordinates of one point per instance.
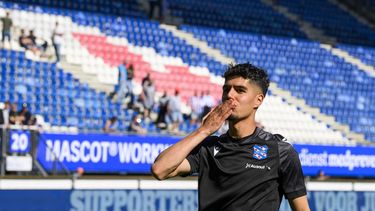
(19, 141)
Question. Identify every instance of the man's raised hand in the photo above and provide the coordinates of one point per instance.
(216, 117)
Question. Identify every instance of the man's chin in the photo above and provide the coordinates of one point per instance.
(232, 117)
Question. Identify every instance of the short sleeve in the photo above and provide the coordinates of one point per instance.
(291, 175)
(199, 153)
(193, 159)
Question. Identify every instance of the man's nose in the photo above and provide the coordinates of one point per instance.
(231, 93)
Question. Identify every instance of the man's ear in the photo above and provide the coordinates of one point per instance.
(258, 100)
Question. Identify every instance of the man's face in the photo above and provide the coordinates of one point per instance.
(246, 95)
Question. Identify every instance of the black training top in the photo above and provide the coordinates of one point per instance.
(251, 173)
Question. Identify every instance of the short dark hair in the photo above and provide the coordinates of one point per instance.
(248, 71)
(113, 119)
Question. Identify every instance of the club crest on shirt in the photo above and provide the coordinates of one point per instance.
(260, 152)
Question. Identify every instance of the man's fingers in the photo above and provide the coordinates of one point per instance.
(227, 114)
(214, 119)
(220, 112)
(227, 106)
(205, 117)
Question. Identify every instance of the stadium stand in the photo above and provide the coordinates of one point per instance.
(294, 63)
(235, 15)
(334, 21)
(105, 41)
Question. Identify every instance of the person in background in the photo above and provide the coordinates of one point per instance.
(13, 115)
(195, 103)
(126, 75)
(57, 40)
(78, 174)
(122, 88)
(4, 114)
(322, 176)
(174, 115)
(162, 111)
(32, 38)
(32, 44)
(146, 79)
(111, 125)
(135, 126)
(42, 46)
(153, 4)
(23, 40)
(7, 26)
(24, 115)
(148, 98)
(4, 118)
(207, 103)
(80, 171)
(129, 84)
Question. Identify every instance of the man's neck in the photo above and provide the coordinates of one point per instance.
(242, 128)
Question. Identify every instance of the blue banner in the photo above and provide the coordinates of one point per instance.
(19, 141)
(98, 153)
(337, 160)
(159, 200)
(135, 200)
(101, 153)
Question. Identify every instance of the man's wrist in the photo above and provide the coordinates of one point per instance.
(203, 131)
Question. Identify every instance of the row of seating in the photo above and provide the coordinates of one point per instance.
(345, 83)
(250, 16)
(115, 7)
(365, 54)
(332, 20)
(297, 126)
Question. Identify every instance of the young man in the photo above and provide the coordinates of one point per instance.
(246, 168)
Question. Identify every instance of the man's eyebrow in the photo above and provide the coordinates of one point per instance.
(236, 87)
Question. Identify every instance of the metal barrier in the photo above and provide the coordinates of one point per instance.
(19, 146)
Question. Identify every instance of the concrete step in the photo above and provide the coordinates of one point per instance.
(330, 120)
(350, 59)
(91, 79)
(310, 31)
(203, 46)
